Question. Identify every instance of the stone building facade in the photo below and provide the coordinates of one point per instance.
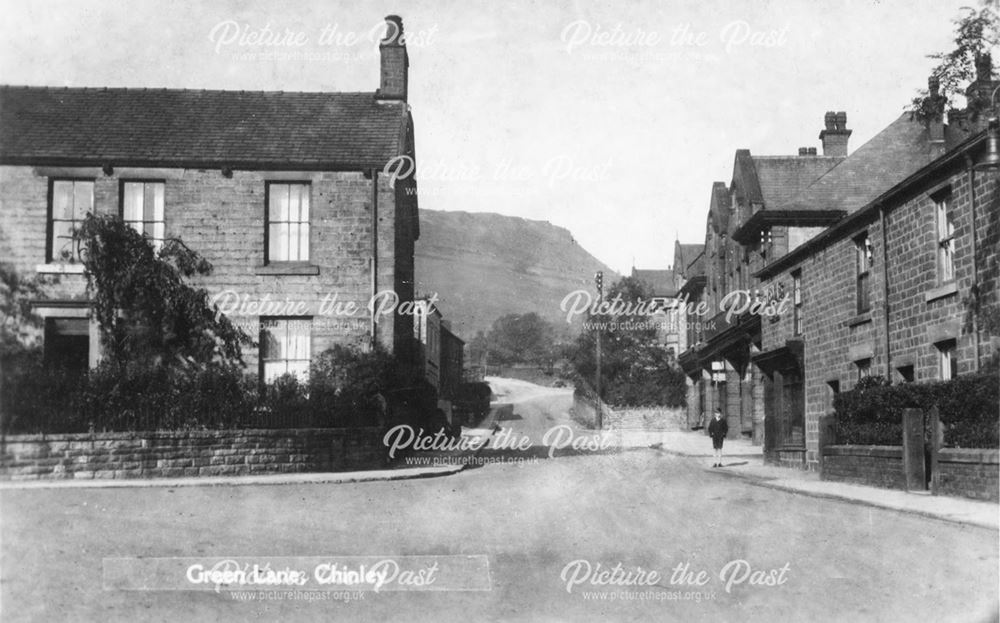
(905, 288)
(284, 193)
(885, 261)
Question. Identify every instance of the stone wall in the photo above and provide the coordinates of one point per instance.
(628, 418)
(877, 466)
(189, 453)
(970, 473)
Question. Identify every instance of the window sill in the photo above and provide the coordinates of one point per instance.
(59, 269)
(859, 319)
(941, 291)
(291, 268)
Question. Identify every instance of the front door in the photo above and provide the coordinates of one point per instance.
(793, 409)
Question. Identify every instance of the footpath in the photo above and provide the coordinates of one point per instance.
(741, 459)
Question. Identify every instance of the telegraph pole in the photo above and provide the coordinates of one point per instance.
(599, 280)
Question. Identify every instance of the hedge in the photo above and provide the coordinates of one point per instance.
(872, 412)
(346, 388)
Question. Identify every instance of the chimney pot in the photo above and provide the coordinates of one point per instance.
(812, 151)
(834, 135)
(984, 67)
(933, 85)
(803, 151)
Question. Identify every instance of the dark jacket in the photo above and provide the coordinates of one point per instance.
(718, 429)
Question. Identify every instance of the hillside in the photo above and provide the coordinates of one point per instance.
(485, 265)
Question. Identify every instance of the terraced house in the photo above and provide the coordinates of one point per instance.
(749, 223)
(886, 258)
(905, 286)
(283, 192)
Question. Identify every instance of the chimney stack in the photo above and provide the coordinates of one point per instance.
(395, 62)
(835, 134)
(935, 124)
(979, 95)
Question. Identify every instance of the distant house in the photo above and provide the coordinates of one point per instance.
(664, 285)
(440, 354)
(283, 192)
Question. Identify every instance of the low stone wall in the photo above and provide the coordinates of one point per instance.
(786, 457)
(877, 466)
(646, 418)
(969, 473)
(628, 418)
(189, 453)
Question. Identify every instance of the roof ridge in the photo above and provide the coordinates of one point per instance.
(172, 90)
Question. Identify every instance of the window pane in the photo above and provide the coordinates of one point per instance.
(83, 199)
(277, 248)
(148, 199)
(304, 211)
(62, 200)
(293, 201)
(132, 202)
(157, 208)
(62, 240)
(304, 242)
(300, 341)
(273, 370)
(300, 369)
(278, 203)
(158, 231)
(293, 242)
(271, 339)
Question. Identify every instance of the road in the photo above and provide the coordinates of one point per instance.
(645, 509)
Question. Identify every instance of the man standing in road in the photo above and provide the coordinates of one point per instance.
(717, 430)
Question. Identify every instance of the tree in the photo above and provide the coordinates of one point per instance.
(521, 338)
(145, 309)
(977, 32)
(478, 347)
(636, 369)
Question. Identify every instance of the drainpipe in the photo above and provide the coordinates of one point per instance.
(885, 289)
(374, 258)
(975, 269)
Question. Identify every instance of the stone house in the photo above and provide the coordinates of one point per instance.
(283, 192)
(664, 284)
(749, 222)
(903, 286)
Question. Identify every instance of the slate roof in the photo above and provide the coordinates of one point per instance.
(890, 156)
(783, 177)
(177, 127)
(664, 282)
(685, 255)
(718, 208)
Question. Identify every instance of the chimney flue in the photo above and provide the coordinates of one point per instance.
(395, 62)
(835, 134)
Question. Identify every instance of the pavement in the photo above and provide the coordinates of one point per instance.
(741, 459)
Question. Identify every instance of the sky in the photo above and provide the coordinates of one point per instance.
(611, 119)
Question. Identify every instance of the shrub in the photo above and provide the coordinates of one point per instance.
(872, 412)
(135, 397)
(36, 399)
(349, 386)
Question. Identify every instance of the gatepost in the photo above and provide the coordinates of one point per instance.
(914, 467)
